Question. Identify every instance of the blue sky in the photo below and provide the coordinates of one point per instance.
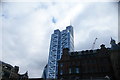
(27, 28)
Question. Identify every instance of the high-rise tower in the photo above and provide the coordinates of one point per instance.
(59, 40)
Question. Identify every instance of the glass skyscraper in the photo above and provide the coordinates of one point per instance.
(59, 40)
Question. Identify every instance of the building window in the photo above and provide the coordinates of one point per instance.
(61, 64)
(61, 78)
(70, 70)
(77, 70)
(61, 72)
(77, 78)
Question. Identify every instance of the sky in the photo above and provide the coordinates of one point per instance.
(27, 27)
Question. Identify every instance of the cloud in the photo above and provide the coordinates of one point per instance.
(60, 1)
(27, 29)
(98, 22)
(0, 31)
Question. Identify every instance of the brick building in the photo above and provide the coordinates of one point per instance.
(102, 64)
(8, 72)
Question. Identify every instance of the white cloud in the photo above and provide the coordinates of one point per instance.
(27, 29)
(60, 0)
(99, 22)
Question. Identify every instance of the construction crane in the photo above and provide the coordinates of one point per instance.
(94, 43)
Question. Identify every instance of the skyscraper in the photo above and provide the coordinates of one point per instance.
(59, 40)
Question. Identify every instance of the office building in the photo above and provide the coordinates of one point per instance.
(59, 40)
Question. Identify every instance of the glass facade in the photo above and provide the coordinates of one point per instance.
(59, 40)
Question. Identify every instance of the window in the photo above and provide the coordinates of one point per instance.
(70, 70)
(61, 72)
(61, 64)
(61, 78)
(77, 70)
(77, 78)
